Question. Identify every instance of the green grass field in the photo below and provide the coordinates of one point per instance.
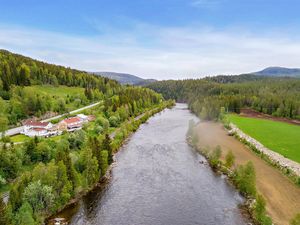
(19, 138)
(61, 91)
(280, 137)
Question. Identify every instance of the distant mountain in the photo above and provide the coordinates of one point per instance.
(125, 78)
(279, 72)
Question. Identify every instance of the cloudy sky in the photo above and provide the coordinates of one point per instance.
(160, 39)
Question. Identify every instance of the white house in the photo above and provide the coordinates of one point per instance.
(41, 129)
(33, 128)
(83, 117)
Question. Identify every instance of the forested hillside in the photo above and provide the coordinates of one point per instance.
(207, 97)
(22, 79)
(42, 175)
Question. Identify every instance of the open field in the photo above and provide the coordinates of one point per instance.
(278, 136)
(19, 138)
(65, 92)
(246, 112)
(61, 91)
(282, 196)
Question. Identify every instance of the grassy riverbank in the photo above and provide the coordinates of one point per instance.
(281, 195)
(278, 136)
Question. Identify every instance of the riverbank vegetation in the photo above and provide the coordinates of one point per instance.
(43, 175)
(242, 176)
(63, 170)
(278, 136)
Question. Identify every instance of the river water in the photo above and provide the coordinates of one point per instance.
(158, 179)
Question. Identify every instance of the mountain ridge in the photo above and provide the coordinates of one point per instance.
(277, 71)
(125, 78)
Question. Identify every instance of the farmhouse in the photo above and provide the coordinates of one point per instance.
(33, 128)
(74, 123)
(71, 124)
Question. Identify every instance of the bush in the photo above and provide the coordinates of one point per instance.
(114, 121)
(260, 211)
(103, 122)
(244, 178)
(296, 220)
(214, 157)
(229, 159)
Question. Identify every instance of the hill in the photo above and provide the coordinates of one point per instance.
(29, 88)
(279, 72)
(125, 78)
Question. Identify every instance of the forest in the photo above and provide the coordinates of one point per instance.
(211, 96)
(17, 72)
(43, 175)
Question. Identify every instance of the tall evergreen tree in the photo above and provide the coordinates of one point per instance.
(106, 145)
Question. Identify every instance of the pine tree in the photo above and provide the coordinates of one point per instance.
(106, 145)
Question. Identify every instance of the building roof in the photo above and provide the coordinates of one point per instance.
(38, 129)
(82, 116)
(36, 123)
(72, 120)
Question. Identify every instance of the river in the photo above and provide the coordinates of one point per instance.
(158, 179)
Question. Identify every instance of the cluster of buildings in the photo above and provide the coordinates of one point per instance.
(34, 128)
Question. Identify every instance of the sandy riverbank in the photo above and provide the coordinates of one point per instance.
(282, 196)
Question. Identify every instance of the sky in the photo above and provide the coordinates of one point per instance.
(161, 39)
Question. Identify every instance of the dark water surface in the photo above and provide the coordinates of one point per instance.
(157, 180)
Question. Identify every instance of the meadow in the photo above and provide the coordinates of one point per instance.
(74, 96)
(60, 91)
(280, 137)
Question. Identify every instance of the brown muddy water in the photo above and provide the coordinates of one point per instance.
(158, 179)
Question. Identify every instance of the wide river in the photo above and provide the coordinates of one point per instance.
(158, 179)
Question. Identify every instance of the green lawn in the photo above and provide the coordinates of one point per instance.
(280, 137)
(19, 138)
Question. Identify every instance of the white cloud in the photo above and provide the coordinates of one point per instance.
(157, 52)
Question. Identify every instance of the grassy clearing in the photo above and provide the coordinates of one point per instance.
(60, 91)
(19, 138)
(280, 137)
(69, 94)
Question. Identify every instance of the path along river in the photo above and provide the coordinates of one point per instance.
(158, 179)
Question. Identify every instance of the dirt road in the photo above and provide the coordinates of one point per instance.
(282, 196)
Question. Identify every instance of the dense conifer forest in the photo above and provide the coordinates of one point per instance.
(207, 97)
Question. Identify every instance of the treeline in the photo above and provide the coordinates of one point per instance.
(23, 71)
(210, 97)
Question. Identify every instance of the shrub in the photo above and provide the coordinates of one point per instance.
(260, 211)
(113, 121)
(214, 157)
(244, 178)
(296, 220)
(229, 159)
